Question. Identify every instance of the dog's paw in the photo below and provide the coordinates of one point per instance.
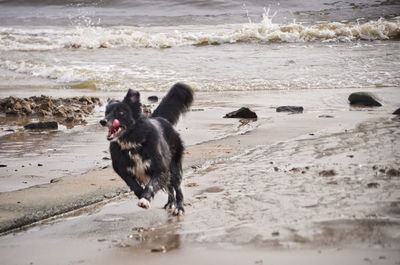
(144, 203)
(169, 206)
(179, 211)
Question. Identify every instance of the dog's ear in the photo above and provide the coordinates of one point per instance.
(132, 97)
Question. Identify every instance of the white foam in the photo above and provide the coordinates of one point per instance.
(93, 37)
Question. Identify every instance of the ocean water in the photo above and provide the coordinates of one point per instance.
(212, 45)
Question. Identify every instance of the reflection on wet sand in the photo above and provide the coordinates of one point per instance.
(158, 239)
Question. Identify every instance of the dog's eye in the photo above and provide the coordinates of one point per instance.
(121, 113)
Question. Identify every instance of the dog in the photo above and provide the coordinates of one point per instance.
(147, 152)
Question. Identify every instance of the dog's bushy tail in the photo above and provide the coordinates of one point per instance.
(177, 101)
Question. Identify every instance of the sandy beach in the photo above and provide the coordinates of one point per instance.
(258, 196)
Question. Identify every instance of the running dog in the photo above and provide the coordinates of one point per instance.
(147, 152)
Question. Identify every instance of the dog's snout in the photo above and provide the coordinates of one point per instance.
(103, 122)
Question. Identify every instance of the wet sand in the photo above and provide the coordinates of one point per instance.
(286, 189)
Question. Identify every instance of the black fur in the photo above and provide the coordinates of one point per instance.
(178, 100)
(147, 152)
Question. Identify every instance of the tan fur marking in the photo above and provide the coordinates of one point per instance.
(127, 145)
(140, 169)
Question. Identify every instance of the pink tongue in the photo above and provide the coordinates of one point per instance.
(115, 126)
(116, 123)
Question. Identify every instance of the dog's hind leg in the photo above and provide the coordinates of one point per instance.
(179, 199)
(171, 198)
(176, 180)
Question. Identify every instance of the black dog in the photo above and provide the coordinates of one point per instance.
(147, 152)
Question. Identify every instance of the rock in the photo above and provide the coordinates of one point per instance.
(327, 173)
(393, 172)
(50, 125)
(194, 110)
(2, 165)
(159, 249)
(47, 106)
(325, 116)
(55, 180)
(26, 107)
(373, 185)
(70, 119)
(275, 233)
(396, 112)
(44, 113)
(291, 109)
(153, 99)
(363, 99)
(18, 106)
(39, 165)
(243, 113)
(86, 100)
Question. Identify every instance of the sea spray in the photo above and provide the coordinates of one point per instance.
(94, 37)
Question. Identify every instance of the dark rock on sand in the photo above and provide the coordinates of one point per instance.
(242, 113)
(275, 233)
(363, 99)
(325, 116)
(291, 109)
(396, 112)
(393, 172)
(49, 125)
(327, 173)
(3, 165)
(373, 185)
(55, 180)
(153, 99)
(193, 110)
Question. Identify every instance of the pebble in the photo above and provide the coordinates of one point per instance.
(327, 173)
(373, 185)
(161, 249)
(275, 233)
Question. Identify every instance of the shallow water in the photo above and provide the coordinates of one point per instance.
(227, 46)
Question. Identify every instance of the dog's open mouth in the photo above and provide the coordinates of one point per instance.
(115, 130)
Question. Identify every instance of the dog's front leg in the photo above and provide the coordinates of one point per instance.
(136, 188)
(148, 193)
(130, 180)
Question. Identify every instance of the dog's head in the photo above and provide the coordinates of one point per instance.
(121, 116)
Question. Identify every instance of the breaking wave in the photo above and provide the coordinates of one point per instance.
(166, 37)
